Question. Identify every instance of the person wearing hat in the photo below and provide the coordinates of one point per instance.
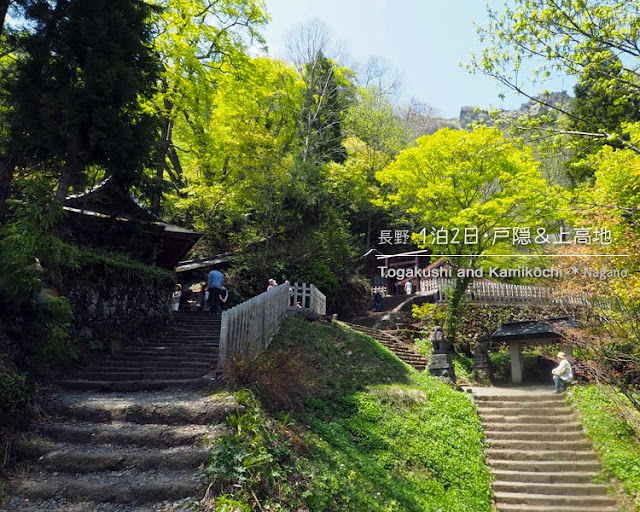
(562, 374)
(272, 284)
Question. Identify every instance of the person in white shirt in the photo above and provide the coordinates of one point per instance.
(408, 287)
(175, 297)
(562, 374)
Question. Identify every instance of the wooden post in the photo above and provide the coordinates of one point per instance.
(222, 354)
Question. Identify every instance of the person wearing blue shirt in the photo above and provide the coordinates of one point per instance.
(214, 283)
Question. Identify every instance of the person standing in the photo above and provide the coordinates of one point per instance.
(224, 297)
(272, 284)
(377, 299)
(408, 287)
(215, 279)
(562, 374)
(175, 297)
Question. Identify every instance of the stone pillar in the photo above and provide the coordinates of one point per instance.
(481, 364)
(517, 363)
(441, 364)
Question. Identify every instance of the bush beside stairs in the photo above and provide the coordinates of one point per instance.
(539, 455)
(115, 441)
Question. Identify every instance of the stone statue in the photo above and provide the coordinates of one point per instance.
(438, 341)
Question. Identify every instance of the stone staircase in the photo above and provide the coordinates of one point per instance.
(181, 357)
(111, 441)
(117, 452)
(539, 455)
(405, 351)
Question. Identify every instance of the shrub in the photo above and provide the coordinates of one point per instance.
(604, 412)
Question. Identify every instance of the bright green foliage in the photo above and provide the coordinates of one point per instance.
(601, 98)
(617, 179)
(199, 43)
(575, 37)
(602, 411)
(376, 136)
(457, 179)
(371, 434)
(238, 168)
(454, 180)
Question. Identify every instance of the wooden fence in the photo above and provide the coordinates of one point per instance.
(309, 297)
(248, 328)
(486, 292)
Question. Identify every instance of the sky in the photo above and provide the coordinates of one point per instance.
(423, 40)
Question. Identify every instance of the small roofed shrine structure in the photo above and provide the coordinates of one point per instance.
(109, 216)
(531, 332)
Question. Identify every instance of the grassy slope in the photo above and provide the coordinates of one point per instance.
(365, 433)
(613, 438)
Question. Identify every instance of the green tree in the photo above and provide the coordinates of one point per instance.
(238, 169)
(600, 97)
(376, 136)
(566, 37)
(199, 42)
(454, 180)
(76, 94)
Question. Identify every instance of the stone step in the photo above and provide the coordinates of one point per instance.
(207, 358)
(506, 507)
(545, 466)
(91, 458)
(502, 426)
(196, 328)
(128, 434)
(563, 488)
(549, 477)
(528, 420)
(152, 363)
(134, 385)
(185, 342)
(542, 397)
(169, 351)
(164, 408)
(129, 374)
(533, 435)
(540, 455)
(118, 487)
(559, 411)
(536, 405)
(513, 444)
(552, 500)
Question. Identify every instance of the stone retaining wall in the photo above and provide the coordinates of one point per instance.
(111, 316)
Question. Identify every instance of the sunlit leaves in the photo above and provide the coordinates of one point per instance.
(457, 179)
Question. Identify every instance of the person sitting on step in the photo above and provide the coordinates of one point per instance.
(562, 374)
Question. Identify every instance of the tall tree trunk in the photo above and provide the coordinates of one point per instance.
(69, 169)
(7, 171)
(455, 305)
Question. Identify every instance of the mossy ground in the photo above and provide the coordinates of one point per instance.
(338, 423)
(607, 417)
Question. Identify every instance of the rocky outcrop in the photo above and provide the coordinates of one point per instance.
(470, 115)
(532, 108)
